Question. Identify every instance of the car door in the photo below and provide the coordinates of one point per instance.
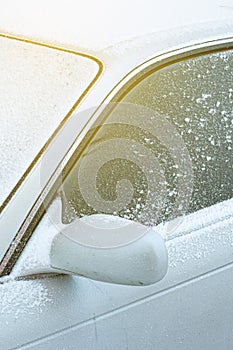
(164, 151)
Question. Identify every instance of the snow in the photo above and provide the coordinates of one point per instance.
(33, 261)
(35, 258)
(23, 297)
(213, 215)
(94, 25)
(38, 87)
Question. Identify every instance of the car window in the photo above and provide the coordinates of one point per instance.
(39, 86)
(164, 150)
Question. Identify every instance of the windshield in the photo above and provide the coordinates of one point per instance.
(39, 85)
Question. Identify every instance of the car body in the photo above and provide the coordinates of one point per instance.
(191, 307)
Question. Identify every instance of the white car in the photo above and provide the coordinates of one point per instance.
(116, 174)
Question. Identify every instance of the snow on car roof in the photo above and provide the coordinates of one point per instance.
(94, 25)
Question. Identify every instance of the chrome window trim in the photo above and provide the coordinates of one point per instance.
(133, 77)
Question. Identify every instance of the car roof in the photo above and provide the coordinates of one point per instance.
(93, 25)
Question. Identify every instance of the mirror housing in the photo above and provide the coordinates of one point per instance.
(110, 249)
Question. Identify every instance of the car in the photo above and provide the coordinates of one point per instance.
(116, 175)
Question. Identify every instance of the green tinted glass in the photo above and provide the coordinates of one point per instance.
(164, 150)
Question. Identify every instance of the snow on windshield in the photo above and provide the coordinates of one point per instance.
(38, 87)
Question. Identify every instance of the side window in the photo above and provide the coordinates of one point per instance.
(164, 148)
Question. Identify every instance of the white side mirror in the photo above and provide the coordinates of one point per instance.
(111, 249)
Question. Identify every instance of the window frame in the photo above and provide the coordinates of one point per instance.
(118, 92)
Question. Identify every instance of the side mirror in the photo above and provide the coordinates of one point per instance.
(110, 249)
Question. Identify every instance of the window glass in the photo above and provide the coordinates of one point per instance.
(164, 150)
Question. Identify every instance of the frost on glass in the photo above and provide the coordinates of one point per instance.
(192, 100)
(38, 86)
